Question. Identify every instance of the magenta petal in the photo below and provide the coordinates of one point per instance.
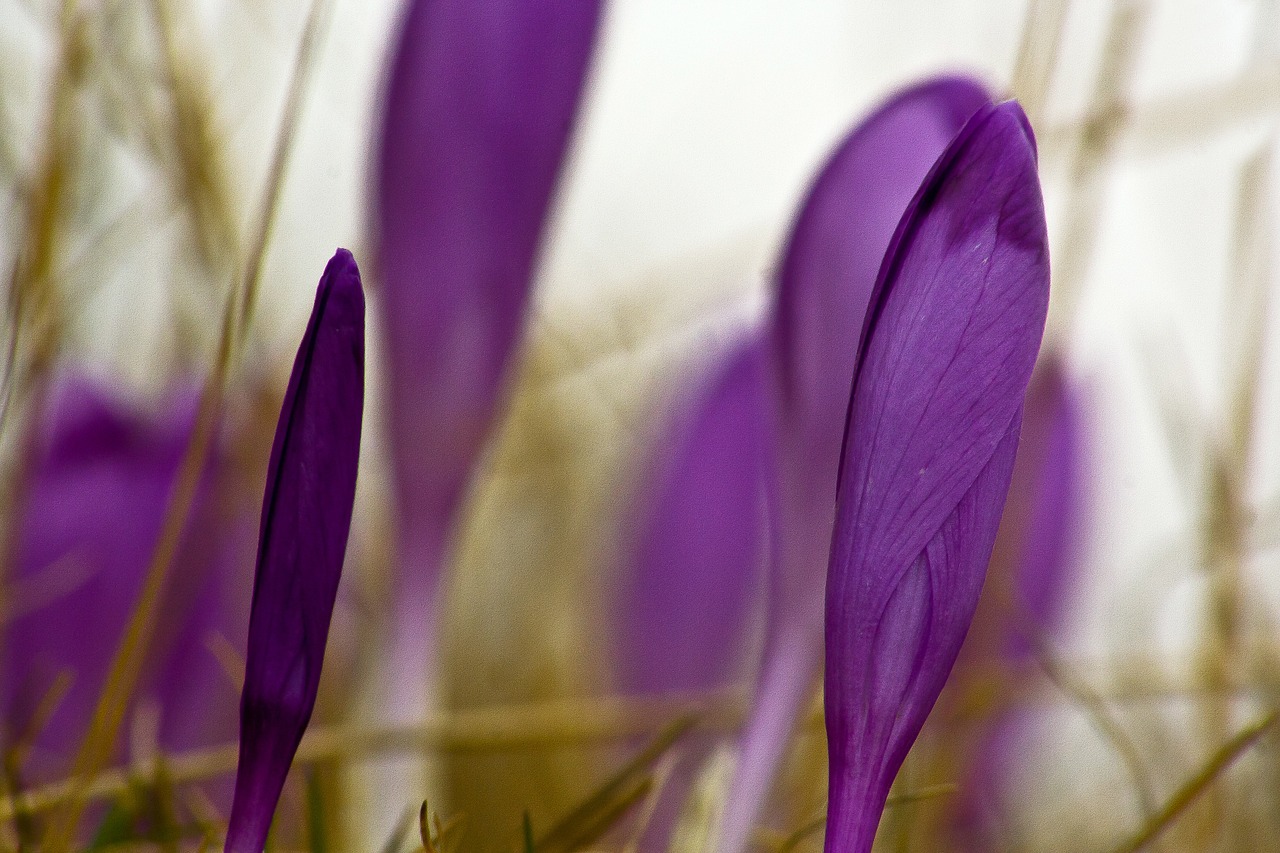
(827, 275)
(478, 114)
(683, 612)
(950, 339)
(306, 515)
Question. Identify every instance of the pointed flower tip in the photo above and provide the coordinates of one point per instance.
(986, 178)
(948, 347)
(830, 276)
(341, 279)
(1013, 108)
(343, 263)
(829, 269)
(306, 516)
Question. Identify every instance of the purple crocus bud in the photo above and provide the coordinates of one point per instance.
(950, 338)
(827, 274)
(478, 114)
(683, 610)
(306, 515)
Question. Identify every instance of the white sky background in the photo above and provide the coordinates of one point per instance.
(704, 122)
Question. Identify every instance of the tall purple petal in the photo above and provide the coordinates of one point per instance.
(683, 612)
(950, 338)
(306, 516)
(478, 115)
(828, 271)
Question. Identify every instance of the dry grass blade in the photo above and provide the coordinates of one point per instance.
(1227, 512)
(35, 303)
(201, 164)
(40, 717)
(317, 831)
(1099, 714)
(483, 729)
(1094, 148)
(1252, 273)
(592, 829)
(645, 817)
(425, 831)
(163, 809)
(519, 727)
(1038, 54)
(439, 837)
(304, 67)
(1183, 119)
(1230, 453)
(615, 796)
(1197, 784)
(792, 841)
(9, 378)
(126, 666)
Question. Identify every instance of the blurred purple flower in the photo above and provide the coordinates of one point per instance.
(699, 550)
(306, 516)
(828, 271)
(98, 487)
(1038, 539)
(1032, 569)
(950, 338)
(478, 115)
(683, 611)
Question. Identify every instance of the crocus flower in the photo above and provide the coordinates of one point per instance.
(100, 473)
(826, 277)
(478, 115)
(306, 516)
(950, 338)
(683, 610)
